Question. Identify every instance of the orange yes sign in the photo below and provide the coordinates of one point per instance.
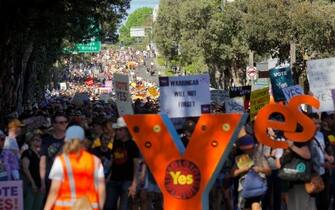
(292, 116)
(185, 176)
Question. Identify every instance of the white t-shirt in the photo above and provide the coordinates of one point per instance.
(56, 172)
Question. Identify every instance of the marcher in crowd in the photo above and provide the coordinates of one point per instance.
(77, 176)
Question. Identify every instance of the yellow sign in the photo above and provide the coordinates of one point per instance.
(153, 91)
(258, 99)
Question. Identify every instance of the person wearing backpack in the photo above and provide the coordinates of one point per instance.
(252, 168)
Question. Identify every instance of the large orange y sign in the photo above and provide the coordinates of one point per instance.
(292, 116)
(185, 176)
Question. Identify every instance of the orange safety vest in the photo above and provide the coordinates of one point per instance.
(80, 179)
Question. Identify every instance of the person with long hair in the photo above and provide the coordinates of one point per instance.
(77, 176)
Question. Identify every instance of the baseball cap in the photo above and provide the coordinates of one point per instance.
(15, 123)
(120, 123)
(74, 132)
(245, 142)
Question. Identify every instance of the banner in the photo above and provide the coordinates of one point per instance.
(123, 100)
(219, 96)
(184, 96)
(234, 105)
(240, 91)
(258, 99)
(11, 195)
(280, 77)
(321, 78)
(291, 91)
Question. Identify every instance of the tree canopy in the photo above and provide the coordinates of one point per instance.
(33, 35)
(141, 17)
(192, 30)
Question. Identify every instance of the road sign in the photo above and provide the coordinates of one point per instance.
(90, 47)
(137, 32)
(251, 72)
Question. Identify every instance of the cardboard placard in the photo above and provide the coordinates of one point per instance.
(11, 195)
(258, 99)
(240, 92)
(291, 91)
(184, 96)
(321, 78)
(281, 78)
(123, 100)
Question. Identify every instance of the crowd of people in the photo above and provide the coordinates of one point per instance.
(50, 147)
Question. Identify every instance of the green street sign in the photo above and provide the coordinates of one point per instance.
(90, 47)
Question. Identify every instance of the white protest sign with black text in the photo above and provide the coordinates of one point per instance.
(291, 91)
(321, 77)
(186, 96)
(123, 100)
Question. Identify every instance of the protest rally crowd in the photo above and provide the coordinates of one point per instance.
(50, 146)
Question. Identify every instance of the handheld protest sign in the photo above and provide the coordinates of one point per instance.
(185, 176)
(292, 117)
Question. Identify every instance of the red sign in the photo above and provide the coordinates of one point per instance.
(89, 81)
(251, 72)
(182, 179)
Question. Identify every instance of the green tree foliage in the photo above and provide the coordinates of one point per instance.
(167, 28)
(32, 38)
(200, 29)
(141, 17)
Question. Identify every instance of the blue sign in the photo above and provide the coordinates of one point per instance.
(281, 78)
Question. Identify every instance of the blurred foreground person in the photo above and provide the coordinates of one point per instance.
(77, 177)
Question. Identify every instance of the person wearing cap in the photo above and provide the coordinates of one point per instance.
(122, 181)
(77, 176)
(14, 130)
(251, 157)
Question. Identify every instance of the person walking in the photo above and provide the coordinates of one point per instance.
(33, 197)
(77, 176)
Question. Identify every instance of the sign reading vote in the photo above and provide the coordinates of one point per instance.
(187, 96)
(291, 91)
(123, 100)
(281, 78)
(240, 91)
(11, 196)
(321, 78)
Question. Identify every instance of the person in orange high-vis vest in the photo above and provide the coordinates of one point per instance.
(77, 176)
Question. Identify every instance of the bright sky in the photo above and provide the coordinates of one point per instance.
(135, 4)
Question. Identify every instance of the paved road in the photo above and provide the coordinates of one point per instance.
(141, 71)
